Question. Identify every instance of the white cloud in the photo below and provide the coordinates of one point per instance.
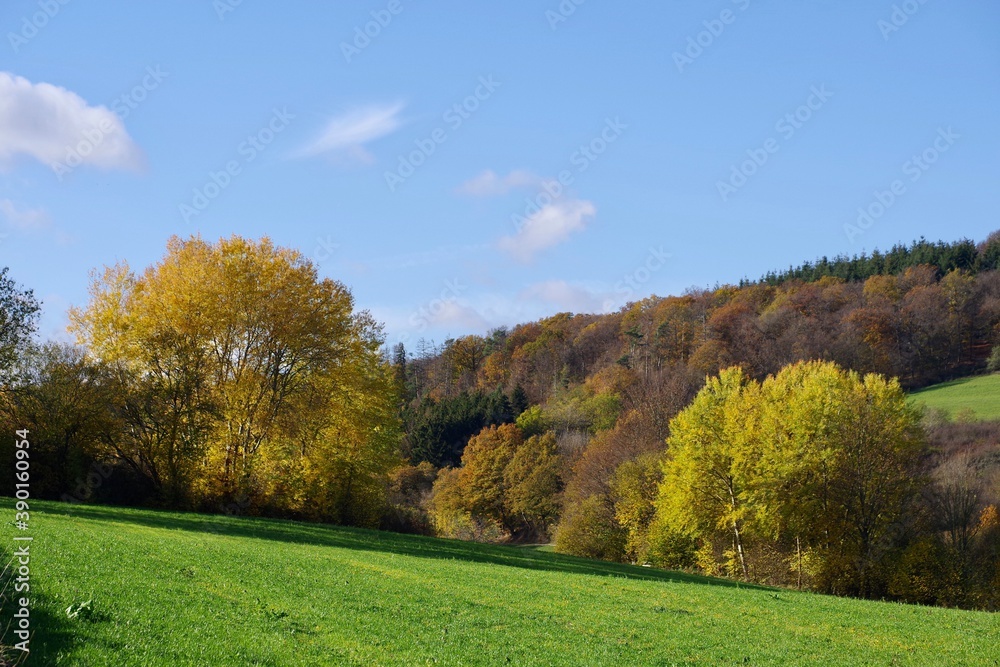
(26, 219)
(350, 131)
(479, 311)
(433, 319)
(56, 126)
(566, 296)
(549, 226)
(489, 184)
(454, 314)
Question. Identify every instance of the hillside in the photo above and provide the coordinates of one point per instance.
(980, 394)
(186, 589)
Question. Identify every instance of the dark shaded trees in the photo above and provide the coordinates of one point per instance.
(19, 311)
(438, 430)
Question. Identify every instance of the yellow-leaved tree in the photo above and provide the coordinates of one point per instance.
(706, 477)
(246, 375)
(810, 472)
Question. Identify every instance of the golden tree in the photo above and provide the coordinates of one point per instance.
(267, 383)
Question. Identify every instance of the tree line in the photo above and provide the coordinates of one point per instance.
(756, 431)
(608, 390)
(225, 374)
(961, 255)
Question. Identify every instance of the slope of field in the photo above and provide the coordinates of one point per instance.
(981, 394)
(185, 589)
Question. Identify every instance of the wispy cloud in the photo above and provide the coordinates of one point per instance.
(24, 219)
(461, 316)
(547, 227)
(454, 313)
(566, 296)
(438, 315)
(489, 184)
(348, 133)
(50, 124)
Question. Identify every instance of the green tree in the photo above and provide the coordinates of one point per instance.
(66, 404)
(532, 421)
(706, 473)
(439, 430)
(589, 529)
(815, 461)
(533, 484)
(880, 443)
(484, 463)
(634, 488)
(19, 311)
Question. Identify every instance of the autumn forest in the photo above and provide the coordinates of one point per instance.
(762, 431)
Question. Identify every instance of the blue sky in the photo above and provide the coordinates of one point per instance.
(468, 165)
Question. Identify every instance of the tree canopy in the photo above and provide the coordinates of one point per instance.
(19, 311)
(815, 462)
(245, 374)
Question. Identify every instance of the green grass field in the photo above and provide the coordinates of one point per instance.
(184, 589)
(981, 394)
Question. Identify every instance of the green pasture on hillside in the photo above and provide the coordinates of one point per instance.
(159, 588)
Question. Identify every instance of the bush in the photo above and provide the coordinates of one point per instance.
(993, 364)
(923, 575)
(672, 550)
(450, 518)
(406, 519)
(589, 529)
(460, 525)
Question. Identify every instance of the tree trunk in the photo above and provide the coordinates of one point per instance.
(798, 553)
(739, 551)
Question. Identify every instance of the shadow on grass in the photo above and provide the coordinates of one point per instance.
(944, 385)
(51, 631)
(378, 541)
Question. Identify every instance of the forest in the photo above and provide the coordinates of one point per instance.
(759, 431)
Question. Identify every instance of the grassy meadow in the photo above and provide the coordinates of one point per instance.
(980, 394)
(186, 589)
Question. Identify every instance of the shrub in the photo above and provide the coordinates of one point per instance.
(993, 364)
(673, 549)
(589, 529)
